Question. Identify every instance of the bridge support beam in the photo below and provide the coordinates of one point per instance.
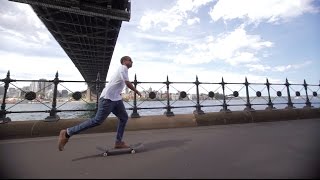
(89, 95)
(84, 8)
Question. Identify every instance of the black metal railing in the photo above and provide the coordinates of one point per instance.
(269, 96)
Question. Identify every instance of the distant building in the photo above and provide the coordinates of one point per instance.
(42, 87)
(12, 93)
(49, 94)
(175, 96)
(34, 86)
(64, 93)
(24, 90)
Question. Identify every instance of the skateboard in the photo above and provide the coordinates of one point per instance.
(112, 151)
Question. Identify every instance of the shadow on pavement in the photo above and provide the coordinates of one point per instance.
(88, 157)
(164, 144)
(147, 147)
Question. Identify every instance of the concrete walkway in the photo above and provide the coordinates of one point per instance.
(284, 149)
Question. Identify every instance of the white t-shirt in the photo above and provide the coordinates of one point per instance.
(115, 86)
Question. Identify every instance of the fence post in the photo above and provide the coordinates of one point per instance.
(290, 104)
(198, 107)
(168, 112)
(270, 104)
(308, 104)
(3, 112)
(53, 112)
(135, 113)
(248, 104)
(224, 105)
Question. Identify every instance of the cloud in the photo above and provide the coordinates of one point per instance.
(160, 38)
(291, 66)
(281, 68)
(193, 21)
(153, 65)
(170, 19)
(15, 13)
(272, 11)
(258, 67)
(242, 58)
(24, 67)
(21, 31)
(236, 47)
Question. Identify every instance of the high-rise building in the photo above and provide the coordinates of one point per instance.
(34, 86)
(41, 87)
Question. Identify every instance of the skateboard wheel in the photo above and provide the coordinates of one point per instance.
(105, 154)
(133, 151)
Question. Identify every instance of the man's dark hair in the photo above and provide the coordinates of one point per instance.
(124, 58)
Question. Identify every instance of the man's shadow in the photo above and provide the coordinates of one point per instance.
(147, 147)
(164, 144)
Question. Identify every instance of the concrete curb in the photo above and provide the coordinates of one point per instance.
(36, 128)
(217, 118)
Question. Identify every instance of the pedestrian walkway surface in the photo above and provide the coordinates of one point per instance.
(280, 149)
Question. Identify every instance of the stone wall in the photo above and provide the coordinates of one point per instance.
(37, 128)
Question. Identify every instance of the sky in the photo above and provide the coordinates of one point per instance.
(182, 39)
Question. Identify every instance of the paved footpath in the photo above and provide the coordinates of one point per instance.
(283, 149)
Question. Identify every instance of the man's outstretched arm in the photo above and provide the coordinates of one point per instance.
(129, 85)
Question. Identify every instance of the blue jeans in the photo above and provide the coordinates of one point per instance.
(105, 107)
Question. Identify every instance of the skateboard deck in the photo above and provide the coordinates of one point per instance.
(134, 148)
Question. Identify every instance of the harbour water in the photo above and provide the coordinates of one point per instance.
(156, 107)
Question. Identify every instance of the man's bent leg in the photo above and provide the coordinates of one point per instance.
(104, 109)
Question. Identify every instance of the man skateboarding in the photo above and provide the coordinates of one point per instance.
(110, 101)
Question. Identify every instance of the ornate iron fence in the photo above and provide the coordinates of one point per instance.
(222, 94)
